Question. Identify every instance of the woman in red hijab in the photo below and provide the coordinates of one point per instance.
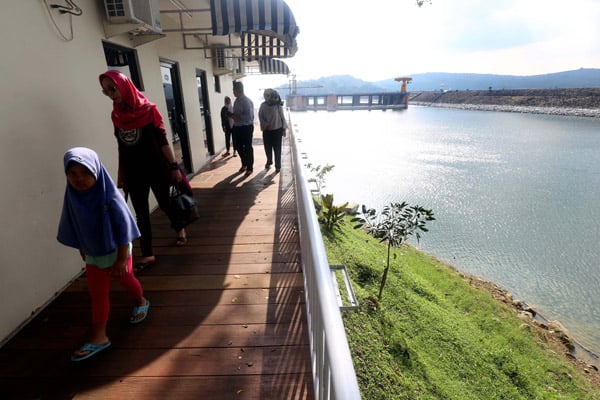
(146, 161)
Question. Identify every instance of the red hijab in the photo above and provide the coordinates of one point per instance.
(134, 110)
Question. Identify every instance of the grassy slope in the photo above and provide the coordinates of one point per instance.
(433, 336)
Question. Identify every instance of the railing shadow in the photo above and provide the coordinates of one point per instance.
(290, 305)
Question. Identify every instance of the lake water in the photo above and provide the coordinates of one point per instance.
(515, 196)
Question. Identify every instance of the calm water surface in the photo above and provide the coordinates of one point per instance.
(515, 196)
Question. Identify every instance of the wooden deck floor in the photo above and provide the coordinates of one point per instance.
(227, 317)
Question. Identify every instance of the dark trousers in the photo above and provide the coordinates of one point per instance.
(272, 143)
(228, 132)
(242, 141)
(139, 192)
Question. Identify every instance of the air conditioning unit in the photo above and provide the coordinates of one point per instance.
(145, 12)
(222, 61)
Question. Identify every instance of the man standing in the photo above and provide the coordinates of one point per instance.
(227, 124)
(243, 127)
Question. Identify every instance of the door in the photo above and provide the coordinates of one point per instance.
(179, 140)
(207, 133)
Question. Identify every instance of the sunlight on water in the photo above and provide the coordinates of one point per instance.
(515, 195)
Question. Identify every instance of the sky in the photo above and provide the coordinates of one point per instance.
(375, 40)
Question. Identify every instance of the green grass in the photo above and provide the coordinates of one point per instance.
(433, 336)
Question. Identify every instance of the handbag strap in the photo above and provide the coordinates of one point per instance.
(174, 191)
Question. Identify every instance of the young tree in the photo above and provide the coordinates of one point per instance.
(395, 223)
(319, 172)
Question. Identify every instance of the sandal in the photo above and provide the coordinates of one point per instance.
(181, 241)
(92, 350)
(139, 313)
(142, 265)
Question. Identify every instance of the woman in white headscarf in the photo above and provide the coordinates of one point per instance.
(273, 126)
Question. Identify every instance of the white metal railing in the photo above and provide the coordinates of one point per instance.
(334, 377)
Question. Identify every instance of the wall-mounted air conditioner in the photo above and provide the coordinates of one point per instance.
(222, 61)
(145, 12)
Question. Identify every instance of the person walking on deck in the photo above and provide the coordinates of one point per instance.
(95, 220)
(227, 125)
(243, 127)
(273, 126)
(146, 161)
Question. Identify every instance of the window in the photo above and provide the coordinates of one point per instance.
(344, 100)
(124, 60)
(217, 83)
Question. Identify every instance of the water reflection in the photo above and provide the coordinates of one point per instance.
(515, 195)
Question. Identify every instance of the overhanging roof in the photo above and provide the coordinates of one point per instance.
(254, 30)
(267, 27)
(273, 66)
(237, 16)
(256, 46)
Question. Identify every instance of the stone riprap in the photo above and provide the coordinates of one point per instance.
(574, 102)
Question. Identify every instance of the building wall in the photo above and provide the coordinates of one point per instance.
(52, 101)
(171, 48)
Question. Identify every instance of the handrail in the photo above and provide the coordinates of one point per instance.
(333, 372)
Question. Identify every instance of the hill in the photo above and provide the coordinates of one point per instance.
(581, 78)
(345, 84)
(436, 81)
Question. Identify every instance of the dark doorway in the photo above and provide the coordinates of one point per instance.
(207, 133)
(177, 121)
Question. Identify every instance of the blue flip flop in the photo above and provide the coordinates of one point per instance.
(139, 310)
(92, 350)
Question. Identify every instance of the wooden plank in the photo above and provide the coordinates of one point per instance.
(202, 238)
(225, 258)
(230, 249)
(165, 266)
(192, 282)
(247, 387)
(165, 336)
(178, 362)
(220, 230)
(263, 295)
(188, 316)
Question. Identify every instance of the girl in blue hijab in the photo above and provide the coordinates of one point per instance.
(96, 220)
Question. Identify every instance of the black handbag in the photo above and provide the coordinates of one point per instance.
(183, 208)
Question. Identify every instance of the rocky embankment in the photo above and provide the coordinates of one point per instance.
(553, 332)
(576, 102)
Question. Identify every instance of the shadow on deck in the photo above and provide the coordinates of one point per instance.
(227, 319)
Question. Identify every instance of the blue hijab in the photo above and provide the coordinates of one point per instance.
(96, 220)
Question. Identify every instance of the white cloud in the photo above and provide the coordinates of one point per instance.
(380, 39)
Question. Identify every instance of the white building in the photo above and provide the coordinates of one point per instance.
(183, 54)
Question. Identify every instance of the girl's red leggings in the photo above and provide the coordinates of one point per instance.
(99, 285)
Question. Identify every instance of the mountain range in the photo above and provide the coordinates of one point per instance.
(443, 81)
